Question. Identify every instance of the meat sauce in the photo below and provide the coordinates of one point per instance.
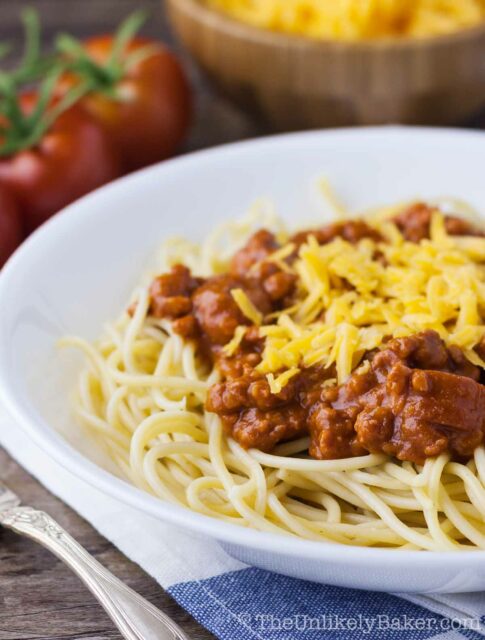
(414, 223)
(414, 399)
(257, 418)
(353, 231)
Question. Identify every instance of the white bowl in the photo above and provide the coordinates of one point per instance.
(76, 272)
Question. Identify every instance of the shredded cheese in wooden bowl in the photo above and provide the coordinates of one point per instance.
(356, 19)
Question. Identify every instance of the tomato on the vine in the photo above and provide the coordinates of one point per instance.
(70, 158)
(10, 224)
(102, 108)
(138, 91)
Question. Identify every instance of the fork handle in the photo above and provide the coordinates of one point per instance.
(134, 616)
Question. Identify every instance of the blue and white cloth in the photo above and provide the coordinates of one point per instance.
(237, 602)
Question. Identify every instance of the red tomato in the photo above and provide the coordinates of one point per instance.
(10, 224)
(151, 113)
(74, 157)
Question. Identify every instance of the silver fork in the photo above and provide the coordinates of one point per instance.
(134, 616)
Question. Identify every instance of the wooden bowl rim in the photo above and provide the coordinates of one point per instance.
(236, 28)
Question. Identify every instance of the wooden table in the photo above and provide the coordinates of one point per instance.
(39, 597)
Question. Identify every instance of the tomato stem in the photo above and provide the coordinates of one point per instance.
(134, 58)
(65, 103)
(32, 38)
(126, 31)
(25, 130)
(33, 64)
(104, 77)
(20, 130)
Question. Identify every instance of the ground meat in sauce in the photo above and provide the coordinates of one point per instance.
(170, 293)
(418, 399)
(246, 358)
(250, 262)
(352, 231)
(204, 309)
(414, 223)
(251, 257)
(217, 313)
(255, 417)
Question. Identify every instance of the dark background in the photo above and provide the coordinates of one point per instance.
(39, 597)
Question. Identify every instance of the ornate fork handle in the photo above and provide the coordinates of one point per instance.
(136, 618)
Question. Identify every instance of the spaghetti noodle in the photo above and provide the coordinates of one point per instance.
(143, 395)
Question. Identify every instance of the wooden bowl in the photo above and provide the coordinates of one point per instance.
(296, 82)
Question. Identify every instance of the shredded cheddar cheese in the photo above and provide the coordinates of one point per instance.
(277, 384)
(352, 297)
(356, 19)
(231, 347)
(246, 306)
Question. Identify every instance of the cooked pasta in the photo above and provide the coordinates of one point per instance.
(354, 295)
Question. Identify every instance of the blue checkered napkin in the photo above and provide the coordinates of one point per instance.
(251, 603)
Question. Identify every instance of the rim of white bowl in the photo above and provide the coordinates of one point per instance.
(72, 460)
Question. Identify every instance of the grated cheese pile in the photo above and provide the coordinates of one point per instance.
(351, 297)
(356, 19)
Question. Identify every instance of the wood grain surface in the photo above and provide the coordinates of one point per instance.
(39, 598)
